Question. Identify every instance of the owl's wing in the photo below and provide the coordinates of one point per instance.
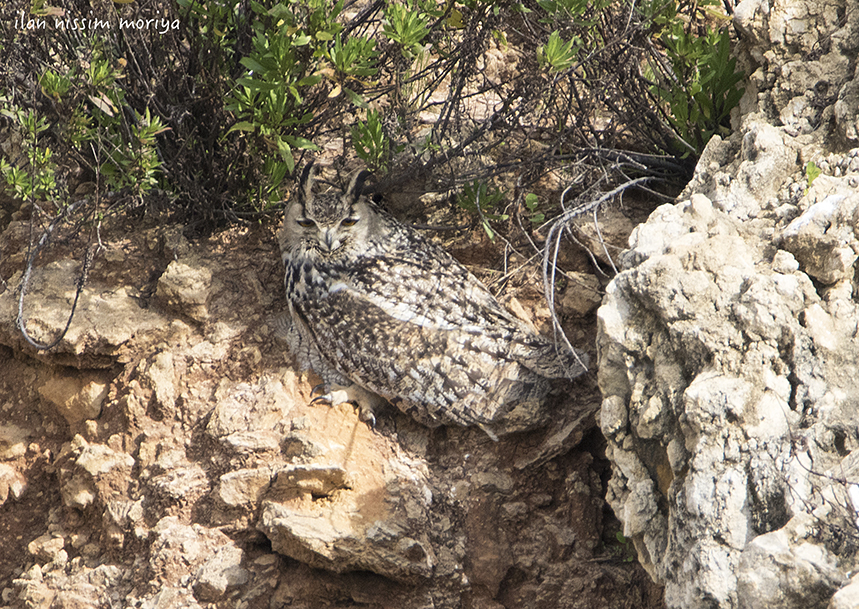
(438, 375)
(431, 339)
(431, 289)
(428, 286)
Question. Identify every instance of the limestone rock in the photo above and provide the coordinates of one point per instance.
(707, 360)
(71, 586)
(76, 396)
(249, 418)
(774, 572)
(823, 238)
(220, 573)
(13, 441)
(845, 111)
(728, 345)
(171, 598)
(212, 556)
(98, 460)
(48, 548)
(94, 471)
(105, 319)
(187, 286)
(12, 483)
(162, 377)
(244, 486)
(322, 513)
(847, 597)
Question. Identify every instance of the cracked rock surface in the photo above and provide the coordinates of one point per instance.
(728, 345)
(166, 454)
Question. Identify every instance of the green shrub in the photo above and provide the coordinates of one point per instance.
(477, 197)
(219, 112)
(701, 89)
(35, 176)
(371, 143)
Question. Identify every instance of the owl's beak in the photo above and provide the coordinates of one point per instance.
(331, 240)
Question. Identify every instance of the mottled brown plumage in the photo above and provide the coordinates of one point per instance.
(375, 305)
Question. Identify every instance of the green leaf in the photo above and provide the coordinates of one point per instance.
(455, 20)
(300, 142)
(254, 85)
(559, 55)
(811, 172)
(284, 149)
(252, 64)
(242, 126)
(309, 81)
(258, 8)
(356, 99)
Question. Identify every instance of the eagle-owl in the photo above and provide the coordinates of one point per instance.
(377, 310)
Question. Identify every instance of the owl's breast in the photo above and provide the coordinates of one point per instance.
(307, 279)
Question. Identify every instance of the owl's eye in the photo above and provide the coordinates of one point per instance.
(305, 222)
(349, 222)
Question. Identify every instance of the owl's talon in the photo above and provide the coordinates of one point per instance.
(317, 388)
(333, 395)
(366, 415)
(364, 400)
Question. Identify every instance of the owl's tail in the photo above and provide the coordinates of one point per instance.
(551, 360)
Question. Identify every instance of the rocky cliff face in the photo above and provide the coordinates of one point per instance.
(165, 454)
(728, 349)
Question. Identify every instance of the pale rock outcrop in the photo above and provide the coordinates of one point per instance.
(76, 396)
(106, 318)
(728, 370)
(12, 483)
(728, 348)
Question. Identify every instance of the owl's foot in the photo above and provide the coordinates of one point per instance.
(366, 401)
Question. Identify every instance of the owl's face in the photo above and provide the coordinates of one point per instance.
(329, 225)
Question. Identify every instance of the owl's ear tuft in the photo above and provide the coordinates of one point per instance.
(356, 185)
(305, 184)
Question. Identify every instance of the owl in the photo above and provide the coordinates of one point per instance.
(380, 313)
